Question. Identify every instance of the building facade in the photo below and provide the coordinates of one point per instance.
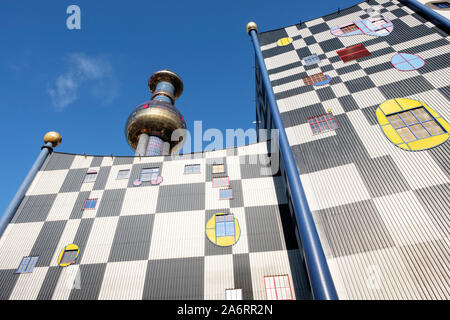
(361, 100)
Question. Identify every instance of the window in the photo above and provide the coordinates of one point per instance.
(233, 294)
(352, 53)
(226, 194)
(90, 204)
(407, 61)
(191, 168)
(223, 229)
(218, 168)
(312, 59)
(91, 176)
(221, 182)
(68, 255)
(27, 265)
(415, 124)
(149, 174)
(323, 123)
(284, 41)
(225, 225)
(349, 28)
(411, 124)
(278, 288)
(442, 4)
(123, 174)
(317, 79)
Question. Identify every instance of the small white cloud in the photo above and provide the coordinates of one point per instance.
(81, 70)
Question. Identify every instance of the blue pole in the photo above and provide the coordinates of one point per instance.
(20, 194)
(435, 17)
(319, 274)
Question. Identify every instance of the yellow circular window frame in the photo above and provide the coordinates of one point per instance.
(222, 241)
(69, 247)
(394, 106)
(284, 41)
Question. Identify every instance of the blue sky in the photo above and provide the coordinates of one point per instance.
(84, 83)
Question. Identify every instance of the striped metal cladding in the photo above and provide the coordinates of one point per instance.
(381, 212)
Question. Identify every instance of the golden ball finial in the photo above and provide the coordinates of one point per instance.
(252, 26)
(53, 137)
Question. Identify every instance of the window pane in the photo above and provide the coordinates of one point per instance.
(218, 168)
(229, 228)
(323, 126)
(396, 121)
(123, 174)
(220, 229)
(90, 177)
(406, 134)
(408, 117)
(422, 114)
(419, 131)
(433, 128)
(332, 123)
(221, 182)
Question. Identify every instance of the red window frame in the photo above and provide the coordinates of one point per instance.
(318, 120)
(315, 78)
(214, 186)
(352, 53)
(349, 28)
(232, 195)
(85, 201)
(279, 287)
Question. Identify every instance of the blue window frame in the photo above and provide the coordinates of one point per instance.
(149, 174)
(225, 225)
(415, 124)
(90, 204)
(226, 194)
(191, 168)
(27, 264)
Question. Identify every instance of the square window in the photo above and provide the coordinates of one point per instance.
(226, 194)
(218, 168)
(149, 174)
(352, 53)
(123, 174)
(220, 182)
(225, 225)
(323, 123)
(233, 294)
(90, 204)
(91, 176)
(27, 265)
(415, 124)
(278, 288)
(315, 78)
(191, 168)
(312, 59)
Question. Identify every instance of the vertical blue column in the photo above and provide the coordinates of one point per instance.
(20, 194)
(319, 275)
(161, 88)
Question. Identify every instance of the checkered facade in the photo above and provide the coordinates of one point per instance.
(382, 213)
(149, 241)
